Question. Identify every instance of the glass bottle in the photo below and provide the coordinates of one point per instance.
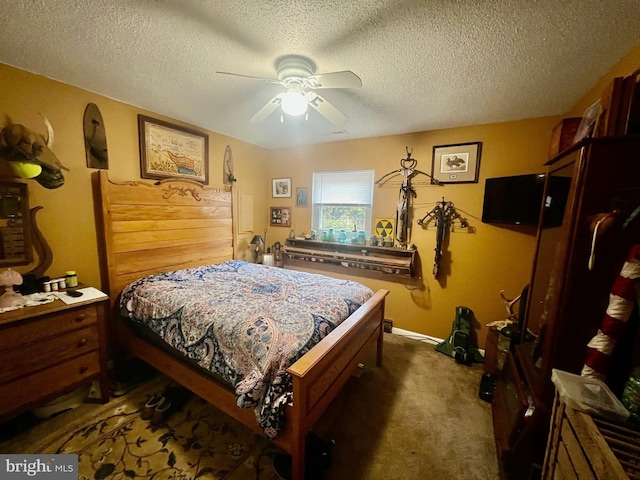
(278, 259)
(332, 235)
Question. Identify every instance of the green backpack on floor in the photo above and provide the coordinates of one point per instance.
(458, 345)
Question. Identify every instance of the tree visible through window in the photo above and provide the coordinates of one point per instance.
(342, 200)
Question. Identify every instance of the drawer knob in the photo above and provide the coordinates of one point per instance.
(82, 342)
(84, 368)
(80, 317)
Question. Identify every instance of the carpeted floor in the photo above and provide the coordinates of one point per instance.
(418, 416)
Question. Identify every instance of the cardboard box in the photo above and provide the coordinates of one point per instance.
(563, 134)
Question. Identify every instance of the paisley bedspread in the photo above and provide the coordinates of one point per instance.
(244, 322)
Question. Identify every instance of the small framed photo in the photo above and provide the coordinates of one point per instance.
(281, 188)
(302, 197)
(459, 163)
(280, 217)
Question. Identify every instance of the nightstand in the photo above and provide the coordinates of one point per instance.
(49, 350)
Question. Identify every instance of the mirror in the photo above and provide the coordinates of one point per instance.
(15, 225)
(549, 258)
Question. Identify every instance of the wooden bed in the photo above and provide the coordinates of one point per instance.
(147, 228)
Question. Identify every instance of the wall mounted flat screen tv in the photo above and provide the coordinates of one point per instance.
(517, 200)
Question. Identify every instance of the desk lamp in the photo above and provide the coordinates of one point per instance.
(9, 298)
(257, 243)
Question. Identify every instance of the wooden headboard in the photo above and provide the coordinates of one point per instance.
(147, 228)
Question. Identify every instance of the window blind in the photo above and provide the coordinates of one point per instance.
(353, 187)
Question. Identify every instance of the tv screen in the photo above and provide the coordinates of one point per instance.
(516, 200)
(556, 200)
(513, 200)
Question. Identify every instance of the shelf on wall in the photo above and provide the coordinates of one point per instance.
(387, 263)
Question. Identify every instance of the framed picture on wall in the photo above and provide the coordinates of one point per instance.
(172, 151)
(458, 163)
(280, 217)
(302, 197)
(281, 188)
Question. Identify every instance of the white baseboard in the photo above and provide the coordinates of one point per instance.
(421, 337)
(416, 336)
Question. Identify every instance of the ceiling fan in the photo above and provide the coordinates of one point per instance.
(296, 73)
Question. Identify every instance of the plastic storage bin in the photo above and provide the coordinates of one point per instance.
(589, 395)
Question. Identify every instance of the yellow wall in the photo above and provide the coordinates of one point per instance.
(67, 219)
(482, 262)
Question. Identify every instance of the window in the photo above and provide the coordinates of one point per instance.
(342, 200)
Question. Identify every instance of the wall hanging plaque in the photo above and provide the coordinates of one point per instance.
(95, 138)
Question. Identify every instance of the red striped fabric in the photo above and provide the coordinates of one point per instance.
(622, 299)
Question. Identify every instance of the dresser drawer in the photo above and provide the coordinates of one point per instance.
(20, 361)
(47, 383)
(38, 328)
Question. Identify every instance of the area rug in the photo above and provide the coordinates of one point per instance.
(199, 441)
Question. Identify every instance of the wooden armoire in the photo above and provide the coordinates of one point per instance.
(567, 298)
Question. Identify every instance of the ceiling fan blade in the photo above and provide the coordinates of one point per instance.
(270, 80)
(345, 79)
(327, 110)
(268, 109)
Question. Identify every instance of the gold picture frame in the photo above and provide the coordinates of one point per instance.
(172, 151)
(456, 163)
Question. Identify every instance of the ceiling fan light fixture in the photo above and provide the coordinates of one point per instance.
(297, 75)
(295, 103)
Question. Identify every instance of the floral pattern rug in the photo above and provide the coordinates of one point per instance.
(200, 441)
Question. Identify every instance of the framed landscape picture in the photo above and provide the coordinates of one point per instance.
(172, 151)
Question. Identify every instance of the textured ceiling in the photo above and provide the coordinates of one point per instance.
(424, 65)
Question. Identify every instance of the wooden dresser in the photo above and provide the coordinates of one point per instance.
(49, 350)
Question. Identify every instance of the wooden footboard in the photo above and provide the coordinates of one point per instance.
(317, 377)
(151, 228)
(320, 374)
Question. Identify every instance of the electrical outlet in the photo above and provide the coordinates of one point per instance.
(388, 325)
(94, 391)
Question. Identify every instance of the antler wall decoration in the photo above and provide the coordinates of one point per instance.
(443, 214)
